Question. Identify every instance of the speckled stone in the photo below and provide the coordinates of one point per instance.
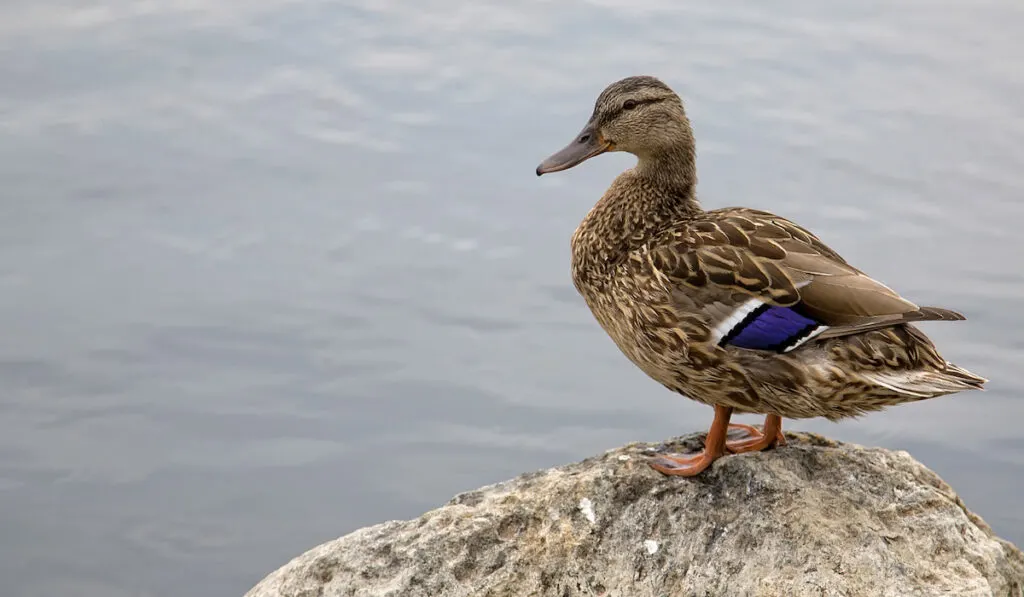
(814, 518)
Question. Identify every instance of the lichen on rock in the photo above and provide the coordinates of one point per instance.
(816, 517)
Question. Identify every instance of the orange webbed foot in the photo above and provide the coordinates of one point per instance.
(682, 466)
(714, 448)
(749, 431)
(772, 436)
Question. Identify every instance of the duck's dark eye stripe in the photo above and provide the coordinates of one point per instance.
(636, 104)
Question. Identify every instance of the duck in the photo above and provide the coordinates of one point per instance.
(736, 308)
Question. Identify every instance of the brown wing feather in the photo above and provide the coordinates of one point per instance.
(868, 324)
(755, 253)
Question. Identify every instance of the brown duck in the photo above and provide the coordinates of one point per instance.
(736, 308)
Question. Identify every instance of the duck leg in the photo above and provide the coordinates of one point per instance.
(714, 448)
(771, 436)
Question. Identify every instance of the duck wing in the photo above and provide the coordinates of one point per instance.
(765, 283)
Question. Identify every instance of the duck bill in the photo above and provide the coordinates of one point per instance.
(586, 145)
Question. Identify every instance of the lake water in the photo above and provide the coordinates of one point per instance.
(271, 270)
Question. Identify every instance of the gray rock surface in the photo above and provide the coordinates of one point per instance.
(814, 518)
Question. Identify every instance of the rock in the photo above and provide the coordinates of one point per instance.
(814, 518)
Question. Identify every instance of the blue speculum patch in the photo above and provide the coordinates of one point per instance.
(770, 328)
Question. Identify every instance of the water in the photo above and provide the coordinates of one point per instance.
(271, 271)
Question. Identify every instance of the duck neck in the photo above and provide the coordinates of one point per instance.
(672, 175)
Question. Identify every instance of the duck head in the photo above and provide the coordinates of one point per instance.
(639, 115)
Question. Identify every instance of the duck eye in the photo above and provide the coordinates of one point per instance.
(629, 104)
